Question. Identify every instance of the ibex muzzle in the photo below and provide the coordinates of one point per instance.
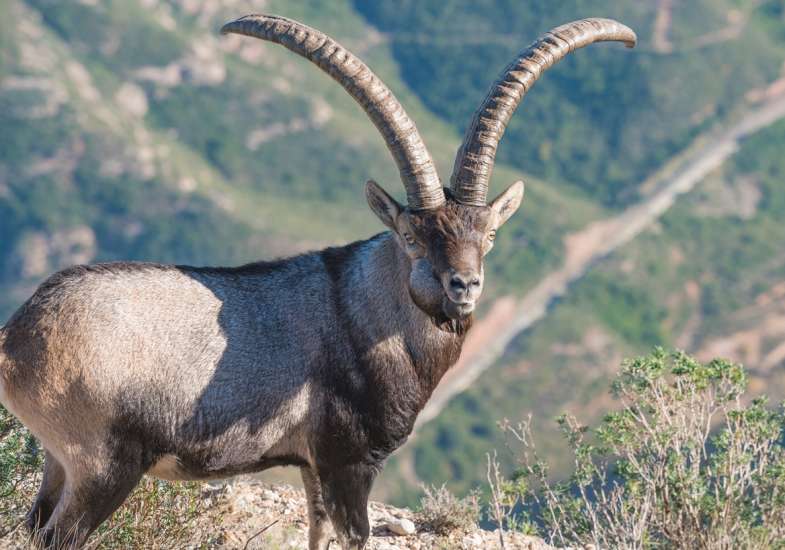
(320, 361)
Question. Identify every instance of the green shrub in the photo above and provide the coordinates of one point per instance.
(686, 462)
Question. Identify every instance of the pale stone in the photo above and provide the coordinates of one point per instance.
(401, 526)
(131, 98)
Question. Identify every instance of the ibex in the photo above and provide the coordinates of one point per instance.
(320, 361)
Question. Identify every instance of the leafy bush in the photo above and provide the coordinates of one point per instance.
(443, 513)
(684, 463)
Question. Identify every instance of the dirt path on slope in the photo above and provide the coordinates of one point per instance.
(662, 25)
(737, 20)
(510, 316)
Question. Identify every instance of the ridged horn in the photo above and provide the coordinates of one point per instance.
(474, 161)
(418, 173)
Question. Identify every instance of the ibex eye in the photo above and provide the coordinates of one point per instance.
(492, 235)
(408, 238)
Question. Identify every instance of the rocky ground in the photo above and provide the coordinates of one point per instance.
(245, 514)
(258, 515)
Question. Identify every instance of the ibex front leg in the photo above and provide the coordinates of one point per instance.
(345, 491)
(318, 526)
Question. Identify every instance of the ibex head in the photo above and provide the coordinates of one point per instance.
(445, 233)
(446, 246)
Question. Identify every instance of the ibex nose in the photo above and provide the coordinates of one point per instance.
(464, 281)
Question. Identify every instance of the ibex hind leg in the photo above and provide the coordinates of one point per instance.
(89, 496)
(48, 494)
(345, 491)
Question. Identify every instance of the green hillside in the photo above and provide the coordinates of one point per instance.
(710, 278)
(605, 117)
(139, 133)
(603, 121)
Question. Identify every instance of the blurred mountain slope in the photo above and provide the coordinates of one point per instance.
(603, 117)
(131, 130)
(695, 67)
(708, 277)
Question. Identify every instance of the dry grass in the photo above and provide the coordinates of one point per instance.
(443, 513)
(159, 514)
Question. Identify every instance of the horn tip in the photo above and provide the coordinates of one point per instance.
(235, 26)
(622, 32)
(231, 26)
(629, 37)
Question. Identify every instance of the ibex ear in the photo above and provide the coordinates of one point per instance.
(382, 204)
(508, 202)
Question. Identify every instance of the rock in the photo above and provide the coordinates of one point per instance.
(132, 99)
(38, 253)
(82, 81)
(402, 526)
(44, 95)
(167, 76)
(186, 184)
(270, 496)
(474, 540)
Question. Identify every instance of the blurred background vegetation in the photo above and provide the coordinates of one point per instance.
(131, 130)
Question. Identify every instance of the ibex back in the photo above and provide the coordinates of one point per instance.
(321, 361)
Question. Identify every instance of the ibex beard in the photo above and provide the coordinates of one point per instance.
(321, 361)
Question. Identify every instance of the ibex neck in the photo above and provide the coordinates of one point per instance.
(387, 317)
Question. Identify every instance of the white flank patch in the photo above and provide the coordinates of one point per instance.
(167, 467)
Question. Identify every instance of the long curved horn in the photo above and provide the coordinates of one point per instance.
(475, 158)
(418, 173)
